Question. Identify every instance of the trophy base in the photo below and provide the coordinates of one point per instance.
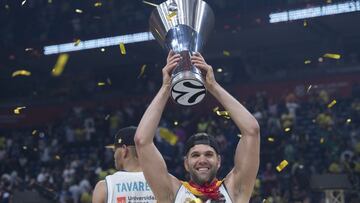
(187, 88)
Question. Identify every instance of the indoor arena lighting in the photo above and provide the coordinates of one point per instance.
(332, 9)
(98, 43)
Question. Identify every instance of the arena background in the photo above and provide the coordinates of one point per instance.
(299, 78)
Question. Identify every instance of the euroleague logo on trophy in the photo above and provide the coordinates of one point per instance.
(183, 26)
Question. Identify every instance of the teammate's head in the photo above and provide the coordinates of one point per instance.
(202, 159)
(124, 146)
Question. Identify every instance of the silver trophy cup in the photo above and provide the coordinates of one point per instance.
(183, 26)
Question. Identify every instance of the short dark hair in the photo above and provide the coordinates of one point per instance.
(125, 136)
(201, 138)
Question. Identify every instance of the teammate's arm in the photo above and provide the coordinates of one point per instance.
(240, 181)
(163, 185)
(99, 194)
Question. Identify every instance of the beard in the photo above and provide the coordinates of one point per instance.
(202, 179)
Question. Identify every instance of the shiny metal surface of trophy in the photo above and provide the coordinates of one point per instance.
(183, 26)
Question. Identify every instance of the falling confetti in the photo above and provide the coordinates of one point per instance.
(270, 139)
(108, 81)
(60, 65)
(21, 72)
(142, 71)
(28, 49)
(332, 103)
(176, 123)
(25, 147)
(78, 10)
(107, 117)
(149, 3)
(17, 109)
(322, 140)
(77, 42)
(348, 120)
(171, 15)
(57, 157)
(98, 4)
(332, 56)
(287, 129)
(122, 48)
(309, 88)
(34, 132)
(102, 49)
(282, 165)
(7, 7)
(226, 53)
(101, 84)
(224, 114)
(307, 62)
(23, 2)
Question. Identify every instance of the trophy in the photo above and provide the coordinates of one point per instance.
(183, 26)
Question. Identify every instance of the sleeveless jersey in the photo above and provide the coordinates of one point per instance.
(185, 196)
(128, 187)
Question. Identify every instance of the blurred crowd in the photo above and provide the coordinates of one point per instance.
(63, 160)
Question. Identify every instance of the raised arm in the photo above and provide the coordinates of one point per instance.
(240, 181)
(161, 182)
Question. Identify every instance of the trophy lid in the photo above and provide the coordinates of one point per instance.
(196, 14)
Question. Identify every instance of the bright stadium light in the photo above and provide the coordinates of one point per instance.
(332, 9)
(98, 43)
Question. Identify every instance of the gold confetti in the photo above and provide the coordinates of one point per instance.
(122, 48)
(322, 140)
(270, 139)
(17, 109)
(331, 104)
(348, 120)
(224, 114)
(282, 165)
(34, 132)
(305, 23)
(287, 129)
(226, 53)
(28, 49)
(332, 56)
(57, 157)
(101, 84)
(78, 10)
(21, 72)
(307, 62)
(60, 65)
(77, 42)
(23, 2)
(97, 4)
(142, 71)
(149, 3)
(171, 15)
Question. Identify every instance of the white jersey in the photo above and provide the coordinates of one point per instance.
(185, 196)
(128, 187)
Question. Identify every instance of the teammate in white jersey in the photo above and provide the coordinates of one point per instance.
(128, 184)
(202, 160)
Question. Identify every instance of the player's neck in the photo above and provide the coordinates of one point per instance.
(132, 166)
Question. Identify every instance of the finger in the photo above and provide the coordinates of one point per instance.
(174, 59)
(171, 53)
(197, 54)
(203, 67)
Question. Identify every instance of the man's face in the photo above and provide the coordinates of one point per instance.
(202, 162)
